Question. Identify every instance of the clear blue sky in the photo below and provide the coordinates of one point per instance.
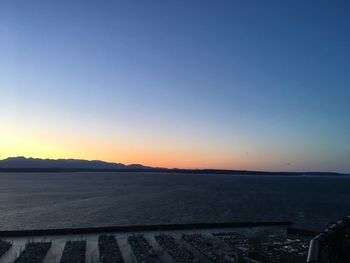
(222, 84)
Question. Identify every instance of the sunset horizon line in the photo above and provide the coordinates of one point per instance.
(170, 167)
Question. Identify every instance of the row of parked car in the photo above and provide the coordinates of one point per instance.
(109, 250)
(207, 248)
(34, 252)
(143, 251)
(177, 250)
(4, 246)
(74, 252)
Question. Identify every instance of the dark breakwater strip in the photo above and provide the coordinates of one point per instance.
(137, 228)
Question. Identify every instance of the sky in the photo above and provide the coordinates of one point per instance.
(261, 85)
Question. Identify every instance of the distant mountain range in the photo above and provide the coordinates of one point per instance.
(36, 163)
(23, 164)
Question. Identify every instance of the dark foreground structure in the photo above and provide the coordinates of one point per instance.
(332, 245)
(248, 242)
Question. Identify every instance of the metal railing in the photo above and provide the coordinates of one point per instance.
(332, 245)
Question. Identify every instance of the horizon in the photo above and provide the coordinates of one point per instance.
(242, 85)
(157, 167)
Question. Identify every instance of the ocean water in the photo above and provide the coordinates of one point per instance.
(58, 200)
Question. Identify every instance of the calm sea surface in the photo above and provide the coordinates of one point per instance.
(56, 200)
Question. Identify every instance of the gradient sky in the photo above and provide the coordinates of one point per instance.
(220, 84)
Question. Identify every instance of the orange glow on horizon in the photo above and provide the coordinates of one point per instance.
(148, 151)
(38, 143)
(43, 145)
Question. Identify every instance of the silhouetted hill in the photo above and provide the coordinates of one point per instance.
(36, 163)
(22, 164)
